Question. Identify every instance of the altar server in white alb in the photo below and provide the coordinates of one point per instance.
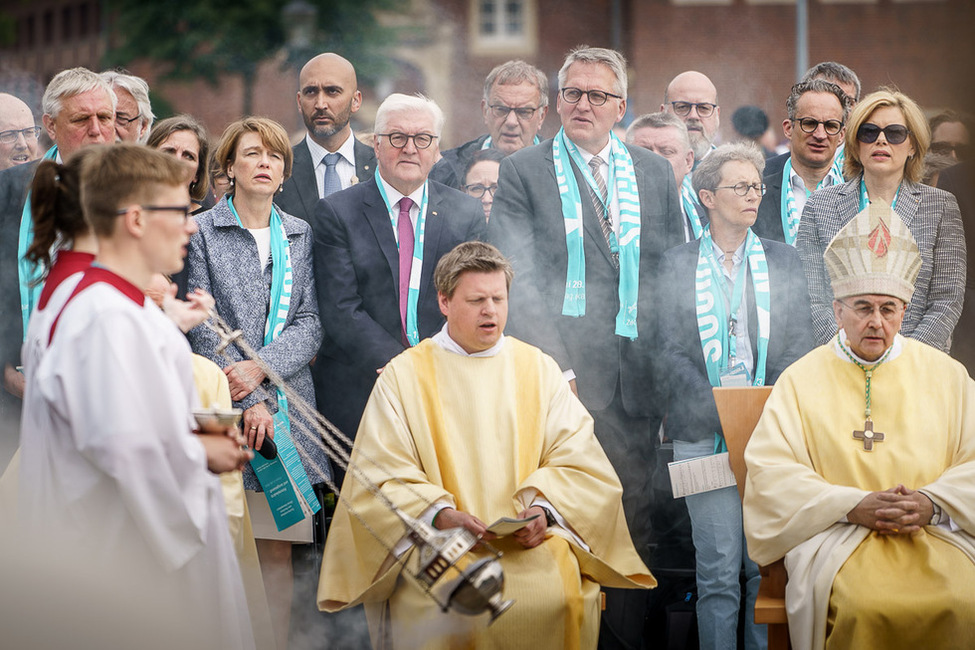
(112, 469)
(861, 471)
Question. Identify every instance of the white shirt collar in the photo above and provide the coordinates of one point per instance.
(394, 195)
(603, 153)
(318, 152)
(895, 349)
(442, 338)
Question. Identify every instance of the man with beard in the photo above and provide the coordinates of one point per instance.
(514, 105)
(693, 98)
(329, 159)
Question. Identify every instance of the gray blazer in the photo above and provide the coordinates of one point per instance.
(222, 259)
(933, 218)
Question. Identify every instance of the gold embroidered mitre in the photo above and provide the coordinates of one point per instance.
(874, 253)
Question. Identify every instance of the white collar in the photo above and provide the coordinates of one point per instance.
(895, 349)
(394, 195)
(442, 338)
(318, 152)
(603, 153)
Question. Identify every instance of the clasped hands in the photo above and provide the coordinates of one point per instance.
(530, 536)
(896, 511)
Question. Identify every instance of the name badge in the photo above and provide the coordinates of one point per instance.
(735, 376)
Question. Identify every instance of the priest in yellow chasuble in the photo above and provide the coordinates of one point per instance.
(861, 471)
(461, 430)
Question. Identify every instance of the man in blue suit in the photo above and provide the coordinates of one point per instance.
(329, 158)
(376, 246)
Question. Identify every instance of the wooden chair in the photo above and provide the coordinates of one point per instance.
(739, 410)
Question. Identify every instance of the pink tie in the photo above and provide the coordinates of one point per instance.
(404, 227)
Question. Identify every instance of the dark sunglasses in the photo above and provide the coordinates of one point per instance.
(894, 133)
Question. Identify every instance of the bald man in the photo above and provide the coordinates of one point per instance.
(18, 133)
(329, 159)
(693, 98)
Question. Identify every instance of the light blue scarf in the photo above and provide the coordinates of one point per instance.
(282, 280)
(690, 206)
(865, 200)
(622, 182)
(717, 343)
(790, 215)
(28, 272)
(413, 296)
(488, 144)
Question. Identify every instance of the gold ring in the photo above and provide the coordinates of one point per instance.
(253, 428)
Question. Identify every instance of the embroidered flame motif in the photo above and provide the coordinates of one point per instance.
(879, 241)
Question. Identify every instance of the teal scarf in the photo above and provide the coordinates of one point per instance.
(28, 272)
(865, 200)
(690, 206)
(718, 343)
(282, 280)
(622, 183)
(790, 215)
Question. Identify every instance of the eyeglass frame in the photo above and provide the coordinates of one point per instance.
(760, 187)
(389, 137)
(873, 308)
(125, 121)
(493, 188)
(507, 110)
(800, 120)
(907, 133)
(588, 94)
(185, 209)
(10, 136)
(696, 106)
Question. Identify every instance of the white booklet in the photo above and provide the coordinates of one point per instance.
(702, 474)
(508, 525)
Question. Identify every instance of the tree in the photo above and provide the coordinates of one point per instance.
(194, 39)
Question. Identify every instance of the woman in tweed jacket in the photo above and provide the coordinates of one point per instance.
(231, 257)
(881, 165)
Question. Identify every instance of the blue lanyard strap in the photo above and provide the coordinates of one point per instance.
(28, 273)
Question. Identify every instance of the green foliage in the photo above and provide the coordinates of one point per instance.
(193, 39)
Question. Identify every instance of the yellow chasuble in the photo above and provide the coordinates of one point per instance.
(850, 587)
(485, 434)
(214, 392)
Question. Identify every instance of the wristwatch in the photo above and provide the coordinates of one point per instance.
(549, 519)
(937, 515)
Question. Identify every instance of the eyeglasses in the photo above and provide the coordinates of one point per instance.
(683, 109)
(523, 113)
(399, 140)
(125, 121)
(894, 133)
(887, 311)
(809, 125)
(944, 148)
(30, 133)
(595, 97)
(741, 189)
(183, 210)
(477, 190)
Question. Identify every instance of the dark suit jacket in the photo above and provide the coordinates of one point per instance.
(451, 168)
(960, 181)
(527, 225)
(768, 224)
(932, 217)
(691, 413)
(14, 185)
(357, 277)
(299, 195)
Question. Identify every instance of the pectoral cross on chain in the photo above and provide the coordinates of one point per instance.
(868, 436)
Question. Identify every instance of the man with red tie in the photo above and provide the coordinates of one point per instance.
(376, 245)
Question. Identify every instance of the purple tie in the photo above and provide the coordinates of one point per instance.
(404, 227)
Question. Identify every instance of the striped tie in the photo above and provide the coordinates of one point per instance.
(599, 204)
